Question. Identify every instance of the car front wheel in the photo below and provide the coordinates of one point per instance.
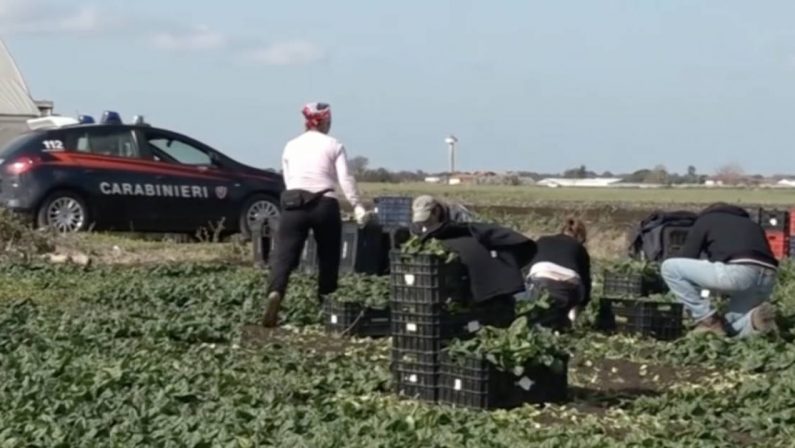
(257, 208)
(64, 212)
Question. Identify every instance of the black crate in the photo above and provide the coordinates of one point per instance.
(415, 374)
(673, 240)
(393, 211)
(308, 262)
(755, 214)
(658, 320)
(632, 285)
(437, 322)
(393, 238)
(262, 240)
(475, 383)
(774, 219)
(428, 278)
(361, 251)
(354, 319)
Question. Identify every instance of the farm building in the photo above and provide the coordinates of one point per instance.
(16, 104)
(562, 182)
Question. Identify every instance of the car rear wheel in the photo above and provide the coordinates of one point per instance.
(257, 207)
(64, 212)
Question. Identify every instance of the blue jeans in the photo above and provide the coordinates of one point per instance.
(747, 286)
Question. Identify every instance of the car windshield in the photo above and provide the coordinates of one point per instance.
(17, 143)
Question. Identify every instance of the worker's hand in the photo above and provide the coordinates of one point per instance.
(360, 215)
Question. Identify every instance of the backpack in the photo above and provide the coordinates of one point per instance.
(660, 235)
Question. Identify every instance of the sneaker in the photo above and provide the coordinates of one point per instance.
(763, 318)
(712, 325)
(270, 318)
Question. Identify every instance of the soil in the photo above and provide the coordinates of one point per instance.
(258, 336)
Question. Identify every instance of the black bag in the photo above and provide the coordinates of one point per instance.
(298, 199)
(649, 241)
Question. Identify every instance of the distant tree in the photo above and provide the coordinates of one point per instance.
(691, 171)
(638, 176)
(730, 174)
(659, 175)
(577, 173)
(359, 165)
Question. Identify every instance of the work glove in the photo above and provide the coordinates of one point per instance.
(360, 215)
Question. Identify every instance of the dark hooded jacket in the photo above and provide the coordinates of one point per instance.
(725, 233)
(493, 255)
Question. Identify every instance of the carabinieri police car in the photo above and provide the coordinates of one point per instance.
(75, 174)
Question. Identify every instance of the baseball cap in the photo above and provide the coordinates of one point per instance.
(422, 207)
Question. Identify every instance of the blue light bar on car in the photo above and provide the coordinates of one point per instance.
(110, 117)
(86, 119)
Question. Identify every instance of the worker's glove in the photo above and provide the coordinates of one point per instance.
(360, 215)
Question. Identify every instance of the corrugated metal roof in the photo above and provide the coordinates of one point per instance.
(14, 96)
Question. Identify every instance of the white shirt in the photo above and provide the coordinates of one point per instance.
(552, 271)
(315, 162)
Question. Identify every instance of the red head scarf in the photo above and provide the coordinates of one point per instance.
(316, 114)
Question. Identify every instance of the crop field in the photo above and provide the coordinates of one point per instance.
(170, 355)
(611, 214)
(157, 344)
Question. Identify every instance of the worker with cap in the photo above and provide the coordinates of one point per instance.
(428, 212)
(313, 164)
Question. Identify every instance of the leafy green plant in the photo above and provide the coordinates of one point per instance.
(416, 246)
(515, 348)
(367, 290)
(627, 267)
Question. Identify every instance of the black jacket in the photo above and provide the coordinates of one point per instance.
(648, 240)
(726, 233)
(493, 255)
(566, 251)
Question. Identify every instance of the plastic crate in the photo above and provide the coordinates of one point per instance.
(415, 374)
(393, 239)
(262, 240)
(658, 320)
(354, 319)
(393, 211)
(673, 240)
(308, 262)
(774, 220)
(633, 285)
(436, 322)
(427, 278)
(362, 249)
(779, 243)
(475, 383)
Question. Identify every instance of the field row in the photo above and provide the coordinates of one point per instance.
(172, 356)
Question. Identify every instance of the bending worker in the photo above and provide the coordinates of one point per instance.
(739, 264)
(428, 212)
(561, 268)
(312, 163)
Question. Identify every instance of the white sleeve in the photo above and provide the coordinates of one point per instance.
(345, 178)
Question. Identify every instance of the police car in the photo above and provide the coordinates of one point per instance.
(76, 174)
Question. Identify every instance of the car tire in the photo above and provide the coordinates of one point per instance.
(63, 211)
(255, 205)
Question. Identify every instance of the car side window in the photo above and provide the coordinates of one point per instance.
(179, 150)
(107, 142)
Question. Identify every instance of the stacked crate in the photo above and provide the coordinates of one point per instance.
(393, 211)
(431, 305)
(361, 250)
(777, 226)
(624, 310)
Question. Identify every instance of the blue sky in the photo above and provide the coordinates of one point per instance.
(531, 85)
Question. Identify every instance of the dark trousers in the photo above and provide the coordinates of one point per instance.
(563, 296)
(323, 218)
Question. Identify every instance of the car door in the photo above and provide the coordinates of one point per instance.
(202, 189)
(115, 175)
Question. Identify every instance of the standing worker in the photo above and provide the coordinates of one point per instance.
(312, 164)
